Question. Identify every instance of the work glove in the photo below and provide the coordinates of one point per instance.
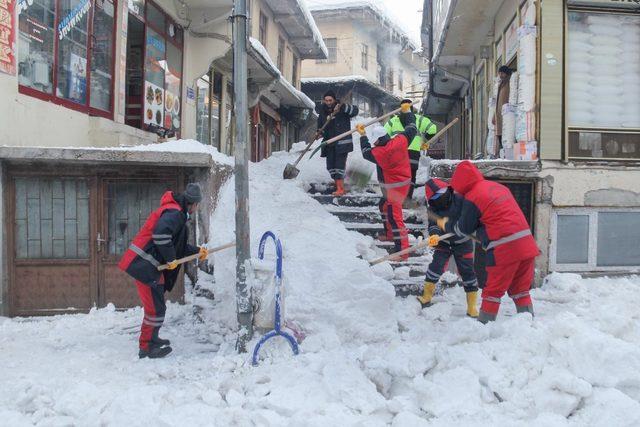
(360, 129)
(424, 146)
(405, 108)
(442, 223)
(204, 253)
(434, 239)
(172, 265)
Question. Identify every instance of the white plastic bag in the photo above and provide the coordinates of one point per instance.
(513, 89)
(508, 125)
(261, 277)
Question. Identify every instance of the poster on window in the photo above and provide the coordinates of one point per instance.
(77, 78)
(172, 111)
(153, 104)
(7, 37)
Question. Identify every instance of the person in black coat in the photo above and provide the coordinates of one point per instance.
(337, 152)
(443, 201)
(161, 240)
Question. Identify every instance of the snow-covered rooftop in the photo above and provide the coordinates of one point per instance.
(385, 14)
(282, 81)
(297, 21)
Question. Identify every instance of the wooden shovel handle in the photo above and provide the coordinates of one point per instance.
(196, 256)
(413, 248)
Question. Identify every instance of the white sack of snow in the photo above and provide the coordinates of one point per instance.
(527, 92)
(599, 49)
(580, 36)
(605, 30)
(580, 56)
(525, 126)
(578, 47)
(603, 40)
(580, 117)
(579, 67)
(508, 125)
(606, 69)
(513, 88)
(602, 19)
(527, 44)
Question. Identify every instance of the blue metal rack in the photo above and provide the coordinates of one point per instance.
(277, 331)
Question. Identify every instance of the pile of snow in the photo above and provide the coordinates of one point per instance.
(369, 358)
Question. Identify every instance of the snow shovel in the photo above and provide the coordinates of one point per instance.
(196, 256)
(441, 132)
(290, 170)
(349, 132)
(422, 244)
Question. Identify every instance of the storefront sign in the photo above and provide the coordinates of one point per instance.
(72, 19)
(191, 95)
(633, 4)
(7, 37)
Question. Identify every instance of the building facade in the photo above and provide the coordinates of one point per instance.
(79, 79)
(369, 58)
(581, 180)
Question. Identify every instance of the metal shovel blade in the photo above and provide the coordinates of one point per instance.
(290, 171)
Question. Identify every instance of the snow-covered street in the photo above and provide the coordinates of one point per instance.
(369, 358)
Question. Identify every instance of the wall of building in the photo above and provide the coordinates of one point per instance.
(343, 30)
(274, 32)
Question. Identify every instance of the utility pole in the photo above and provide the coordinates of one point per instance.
(244, 307)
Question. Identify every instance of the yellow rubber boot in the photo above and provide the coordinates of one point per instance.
(427, 294)
(472, 304)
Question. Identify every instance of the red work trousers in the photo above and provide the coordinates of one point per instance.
(391, 210)
(152, 298)
(514, 278)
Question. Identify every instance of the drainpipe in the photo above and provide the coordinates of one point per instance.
(244, 307)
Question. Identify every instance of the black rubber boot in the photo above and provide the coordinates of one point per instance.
(485, 317)
(160, 341)
(154, 352)
(525, 309)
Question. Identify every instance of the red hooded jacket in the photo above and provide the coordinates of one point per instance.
(490, 210)
(162, 238)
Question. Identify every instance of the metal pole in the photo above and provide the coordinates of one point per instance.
(244, 307)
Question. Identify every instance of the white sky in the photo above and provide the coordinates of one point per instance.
(408, 13)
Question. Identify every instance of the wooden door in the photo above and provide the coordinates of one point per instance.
(51, 250)
(126, 204)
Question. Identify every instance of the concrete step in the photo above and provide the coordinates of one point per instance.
(353, 200)
(375, 229)
(329, 187)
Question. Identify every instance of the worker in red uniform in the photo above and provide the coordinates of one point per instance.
(161, 240)
(490, 210)
(394, 176)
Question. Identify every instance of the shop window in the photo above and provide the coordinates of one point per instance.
(51, 218)
(332, 49)
(595, 239)
(154, 83)
(66, 53)
(208, 109)
(603, 85)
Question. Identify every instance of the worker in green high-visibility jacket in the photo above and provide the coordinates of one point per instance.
(426, 129)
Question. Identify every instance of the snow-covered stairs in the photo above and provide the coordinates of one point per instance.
(359, 212)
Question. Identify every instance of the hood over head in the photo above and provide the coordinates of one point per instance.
(465, 177)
